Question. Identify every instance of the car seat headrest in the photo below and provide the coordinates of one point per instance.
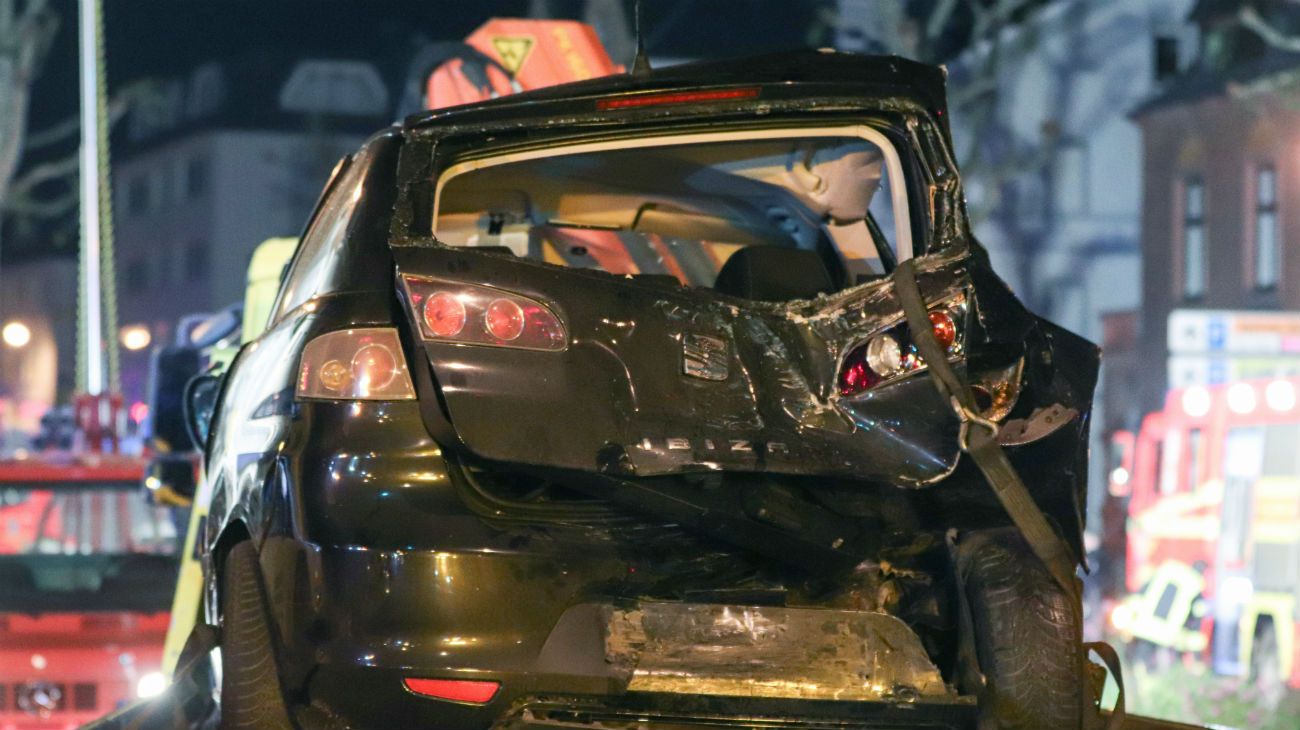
(773, 274)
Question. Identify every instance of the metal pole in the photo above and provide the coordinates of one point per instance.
(90, 318)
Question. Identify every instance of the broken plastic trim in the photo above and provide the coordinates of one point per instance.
(772, 652)
(954, 306)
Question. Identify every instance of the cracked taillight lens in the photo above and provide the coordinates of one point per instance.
(890, 354)
(467, 314)
(357, 364)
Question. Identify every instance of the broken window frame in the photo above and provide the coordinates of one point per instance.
(908, 238)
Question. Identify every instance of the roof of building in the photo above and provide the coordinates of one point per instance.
(1197, 85)
(1241, 56)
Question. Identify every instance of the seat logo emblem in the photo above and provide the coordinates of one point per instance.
(705, 357)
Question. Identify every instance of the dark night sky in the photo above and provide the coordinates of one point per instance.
(168, 38)
(163, 38)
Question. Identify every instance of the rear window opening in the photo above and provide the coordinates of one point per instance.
(770, 214)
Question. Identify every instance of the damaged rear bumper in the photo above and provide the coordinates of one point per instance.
(658, 711)
(770, 652)
(566, 657)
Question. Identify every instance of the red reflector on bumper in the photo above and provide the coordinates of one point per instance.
(676, 97)
(456, 690)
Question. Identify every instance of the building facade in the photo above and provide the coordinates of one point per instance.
(1220, 171)
(38, 295)
(1053, 165)
(199, 185)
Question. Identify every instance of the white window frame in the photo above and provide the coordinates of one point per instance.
(1188, 222)
(1266, 278)
(893, 164)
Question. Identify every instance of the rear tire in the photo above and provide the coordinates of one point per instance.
(1027, 635)
(251, 693)
(1266, 665)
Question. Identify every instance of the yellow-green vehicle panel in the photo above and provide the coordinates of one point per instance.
(263, 283)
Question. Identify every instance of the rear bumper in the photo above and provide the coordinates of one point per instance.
(649, 711)
(562, 649)
(686, 712)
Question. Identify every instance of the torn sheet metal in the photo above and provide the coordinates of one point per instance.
(1040, 424)
(772, 652)
(658, 379)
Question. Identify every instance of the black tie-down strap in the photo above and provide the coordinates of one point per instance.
(978, 437)
(1111, 660)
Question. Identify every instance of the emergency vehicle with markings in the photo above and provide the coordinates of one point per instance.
(1212, 483)
(87, 566)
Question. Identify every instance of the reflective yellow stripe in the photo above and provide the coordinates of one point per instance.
(1280, 607)
(1277, 533)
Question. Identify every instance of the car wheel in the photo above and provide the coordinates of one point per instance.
(1027, 635)
(251, 694)
(1266, 665)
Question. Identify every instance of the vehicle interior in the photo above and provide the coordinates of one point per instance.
(765, 218)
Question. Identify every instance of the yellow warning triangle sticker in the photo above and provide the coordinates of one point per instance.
(513, 51)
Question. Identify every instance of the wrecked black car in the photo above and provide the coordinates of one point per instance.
(653, 401)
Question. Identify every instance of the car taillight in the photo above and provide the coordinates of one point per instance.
(504, 320)
(884, 356)
(472, 691)
(945, 329)
(444, 314)
(670, 98)
(891, 354)
(357, 364)
(452, 311)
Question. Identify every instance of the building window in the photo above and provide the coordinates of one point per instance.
(162, 268)
(160, 188)
(196, 260)
(1193, 239)
(1267, 246)
(137, 196)
(196, 177)
(137, 276)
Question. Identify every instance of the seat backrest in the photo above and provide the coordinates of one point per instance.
(774, 274)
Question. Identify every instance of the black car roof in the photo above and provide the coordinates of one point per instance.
(856, 75)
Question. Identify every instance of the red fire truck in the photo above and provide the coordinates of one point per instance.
(1212, 483)
(87, 568)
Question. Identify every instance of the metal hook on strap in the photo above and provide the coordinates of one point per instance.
(968, 417)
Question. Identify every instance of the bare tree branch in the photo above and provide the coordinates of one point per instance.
(23, 202)
(33, 208)
(65, 168)
(117, 107)
(55, 134)
(26, 34)
(939, 17)
(21, 198)
(974, 92)
(1251, 20)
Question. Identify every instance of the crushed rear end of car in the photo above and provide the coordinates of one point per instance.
(681, 462)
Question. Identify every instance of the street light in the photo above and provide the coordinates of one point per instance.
(135, 337)
(16, 334)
